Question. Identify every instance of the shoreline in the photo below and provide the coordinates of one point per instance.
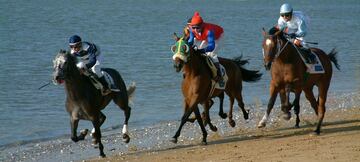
(279, 143)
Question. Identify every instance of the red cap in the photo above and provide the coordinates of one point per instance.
(196, 19)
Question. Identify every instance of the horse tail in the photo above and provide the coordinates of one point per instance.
(333, 58)
(247, 75)
(130, 91)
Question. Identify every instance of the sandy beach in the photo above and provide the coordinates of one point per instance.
(339, 141)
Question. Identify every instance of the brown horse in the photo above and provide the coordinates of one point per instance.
(288, 74)
(84, 101)
(196, 85)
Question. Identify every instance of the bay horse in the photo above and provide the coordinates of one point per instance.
(84, 101)
(288, 74)
(197, 84)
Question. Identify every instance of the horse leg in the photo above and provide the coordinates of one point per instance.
(184, 118)
(126, 137)
(323, 88)
(206, 117)
(296, 104)
(123, 104)
(102, 119)
(311, 98)
(241, 104)
(231, 120)
(96, 123)
(285, 104)
(221, 111)
(198, 117)
(74, 124)
(273, 95)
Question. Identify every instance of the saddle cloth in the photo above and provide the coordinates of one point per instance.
(316, 68)
(214, 73)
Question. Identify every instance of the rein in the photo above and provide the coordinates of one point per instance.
(279, 46)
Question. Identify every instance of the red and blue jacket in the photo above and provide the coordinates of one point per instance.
(210, 33)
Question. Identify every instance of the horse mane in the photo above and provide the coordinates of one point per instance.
(273, 30)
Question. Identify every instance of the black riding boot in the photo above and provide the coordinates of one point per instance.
(309, 56)
(218, 77)
(105, 85)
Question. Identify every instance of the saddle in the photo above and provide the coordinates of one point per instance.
(213, 70)
(98, 85)
(314, 66)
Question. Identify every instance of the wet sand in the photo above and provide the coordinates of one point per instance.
(339, 141)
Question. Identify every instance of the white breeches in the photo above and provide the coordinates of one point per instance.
(97, 68)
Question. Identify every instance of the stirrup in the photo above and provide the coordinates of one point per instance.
(105, 92)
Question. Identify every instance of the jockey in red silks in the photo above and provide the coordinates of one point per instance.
(207, 38)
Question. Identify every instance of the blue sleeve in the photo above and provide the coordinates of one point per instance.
(92, 56)
(191, 38)
(211, 42)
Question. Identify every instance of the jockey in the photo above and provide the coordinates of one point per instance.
(295, 25)
(89, 57)
(207, 38)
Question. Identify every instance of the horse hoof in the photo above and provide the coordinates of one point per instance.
(204, 143)
(126, 138)
(75, 139)
(174, 140)
(317, 132)
(261, 125)
(287, 116)
(223, 115)
(95, 142)
(213, 128)
(102, 155)
(232, 123)
(297, 126)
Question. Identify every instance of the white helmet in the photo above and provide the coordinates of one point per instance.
(285, 8)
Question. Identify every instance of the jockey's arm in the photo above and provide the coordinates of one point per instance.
(301, 32)
(211, 42)
(191, 38)
(281, 24)
(92, 56)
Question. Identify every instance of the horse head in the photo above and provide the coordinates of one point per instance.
(270, 46)
(64, 65)
(181, 52)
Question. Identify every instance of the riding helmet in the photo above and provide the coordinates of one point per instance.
(285, 8)
(74, 40)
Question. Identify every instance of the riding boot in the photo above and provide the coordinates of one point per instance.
(309, 56)
(218, 77)
(105, 86)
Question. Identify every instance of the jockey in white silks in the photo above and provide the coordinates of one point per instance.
(295, 24)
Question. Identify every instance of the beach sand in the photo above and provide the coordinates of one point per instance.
(339, 141)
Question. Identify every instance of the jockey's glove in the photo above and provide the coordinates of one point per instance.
(198, 50)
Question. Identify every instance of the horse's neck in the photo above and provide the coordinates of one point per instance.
(76, 86)
(194, 66)
(289, 55)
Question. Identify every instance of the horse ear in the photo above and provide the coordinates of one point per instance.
(173, 48)
(263, 32)
(63, 51)
(176, 38)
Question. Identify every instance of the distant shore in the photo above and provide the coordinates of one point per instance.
(339, 141)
